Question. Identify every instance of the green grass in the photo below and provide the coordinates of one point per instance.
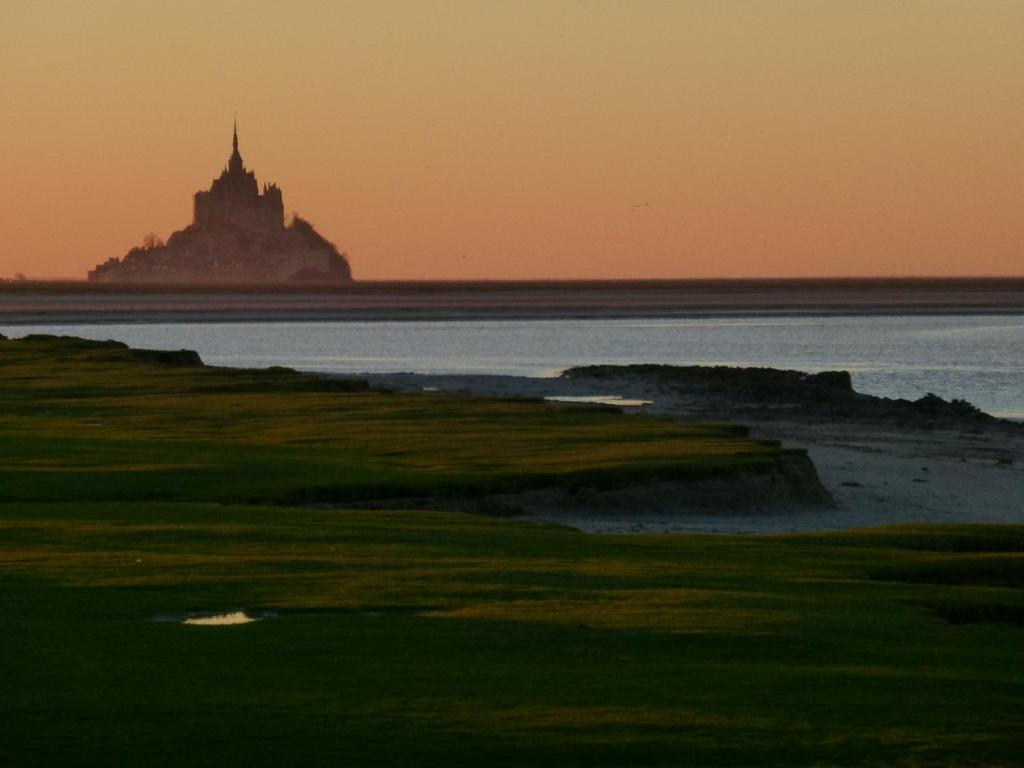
(432, 638)
(85, 421)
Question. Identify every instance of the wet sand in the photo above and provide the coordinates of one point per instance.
(878, 473)
(81, 302)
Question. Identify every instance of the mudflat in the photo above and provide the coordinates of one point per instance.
(884, 462)
(76, 302)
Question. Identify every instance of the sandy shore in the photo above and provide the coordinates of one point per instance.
(81, 302)
(878, 473)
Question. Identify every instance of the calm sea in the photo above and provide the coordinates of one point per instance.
(979, 358)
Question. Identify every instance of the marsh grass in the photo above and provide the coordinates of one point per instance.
(90, 421)
(462, 640)
(431, 638)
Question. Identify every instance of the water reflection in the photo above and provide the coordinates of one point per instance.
(220, 619)
(599, 400)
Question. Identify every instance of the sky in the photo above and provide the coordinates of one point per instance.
(536, 139)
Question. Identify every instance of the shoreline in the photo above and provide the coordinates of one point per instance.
(74, 303)
(878, 473)
(186, 316)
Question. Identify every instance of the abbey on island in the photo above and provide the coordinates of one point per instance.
(237, 235)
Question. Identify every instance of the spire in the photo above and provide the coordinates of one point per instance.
(235, 163)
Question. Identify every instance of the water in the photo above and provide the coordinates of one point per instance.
(220, 619)
(616, 400)
(977, 358)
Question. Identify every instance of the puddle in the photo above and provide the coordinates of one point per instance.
(209, 619)
(220, 619)
(599, 399)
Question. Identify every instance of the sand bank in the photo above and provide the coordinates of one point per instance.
(880, 471)
(81, 302)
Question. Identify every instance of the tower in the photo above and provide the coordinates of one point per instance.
(235, 163)
(234, 197)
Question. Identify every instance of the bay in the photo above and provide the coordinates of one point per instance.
(979, 358)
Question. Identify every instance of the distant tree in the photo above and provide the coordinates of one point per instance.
(20, 277)
(151, 241)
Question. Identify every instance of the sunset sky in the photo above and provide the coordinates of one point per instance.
(475, 139)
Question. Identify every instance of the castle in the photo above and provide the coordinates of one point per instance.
(237, 235)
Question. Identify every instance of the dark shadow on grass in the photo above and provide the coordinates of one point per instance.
(1005, 572)
(979, 613)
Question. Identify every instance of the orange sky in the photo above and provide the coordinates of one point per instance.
(486, 139)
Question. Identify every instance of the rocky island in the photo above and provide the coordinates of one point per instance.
(237, 235)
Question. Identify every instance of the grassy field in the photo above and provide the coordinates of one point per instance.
(432, 638)
(83, 421)
(422, 638)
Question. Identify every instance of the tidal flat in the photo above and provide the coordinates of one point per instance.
(136, 484)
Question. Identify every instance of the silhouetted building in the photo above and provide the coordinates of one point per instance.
(237, 235)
